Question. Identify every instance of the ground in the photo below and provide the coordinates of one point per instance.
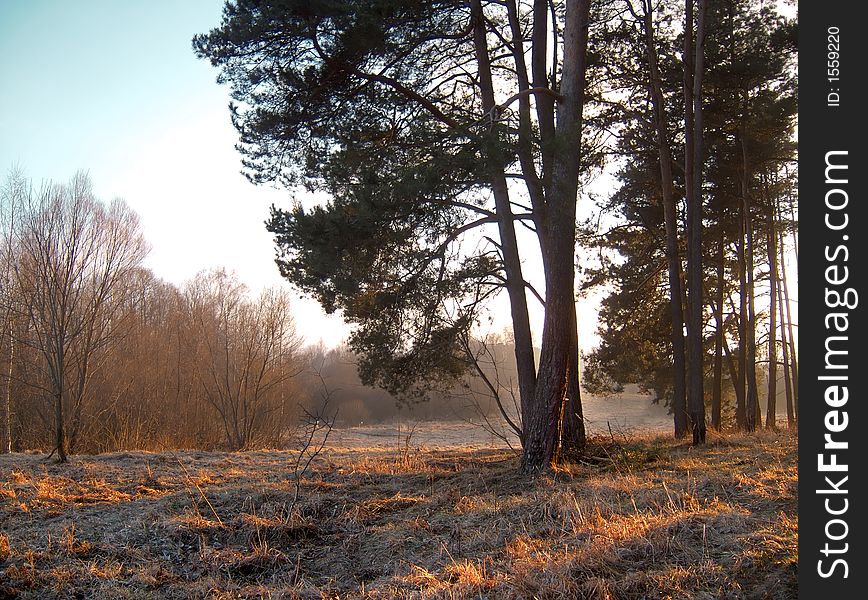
(643, 517)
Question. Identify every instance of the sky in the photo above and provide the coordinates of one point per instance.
(113, 88)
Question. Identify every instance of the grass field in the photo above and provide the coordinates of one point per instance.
(642, 517)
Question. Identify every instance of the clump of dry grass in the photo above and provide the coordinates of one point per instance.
(394, 503)
(5, 550)
(73, 546)
(638, 517)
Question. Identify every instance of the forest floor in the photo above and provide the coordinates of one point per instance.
(643, 517)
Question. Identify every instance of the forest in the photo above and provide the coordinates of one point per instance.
(440, 159)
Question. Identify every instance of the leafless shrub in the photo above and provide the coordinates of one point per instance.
(315, 427)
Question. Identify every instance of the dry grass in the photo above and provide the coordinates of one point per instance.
(645, 518)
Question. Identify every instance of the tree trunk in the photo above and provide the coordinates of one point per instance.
(6, 405)
(717, 397)
(740, 400)
(572, 438)
(515, 284)
(673, 259)
(59, 428)
(751, 399)
(787, 343)
(734, 375)
(794, 367)
(558, 353)
(771, 402)
(552, 382)
(545, 104)
(788, 385)
(693, 163)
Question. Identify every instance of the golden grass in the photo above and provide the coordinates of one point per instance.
(640, 517)
(5, 550)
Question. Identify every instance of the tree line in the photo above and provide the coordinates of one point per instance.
(99, 354)
(749, 221)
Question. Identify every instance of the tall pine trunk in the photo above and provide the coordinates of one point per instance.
(734, 375)
(787, 342)
(572, 436)
(740, 400)
(673, 258)
(771, 402)
(794, 366)
(515, 284)
(751, 399)
(788, 384)
(693, 75)
(717, 392)
(558, 352)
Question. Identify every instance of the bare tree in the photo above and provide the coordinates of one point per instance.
(74, 255)
(248, 353)
(140, 401)
(10, 199)
(491, 381)
(311, 436)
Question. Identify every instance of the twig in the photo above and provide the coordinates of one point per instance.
(313, 424)
(202, 493)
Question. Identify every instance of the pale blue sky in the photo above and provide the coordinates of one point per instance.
(113, 88)
(84, 81)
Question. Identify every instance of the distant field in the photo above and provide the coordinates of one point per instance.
(641, 518)
(623, 413)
